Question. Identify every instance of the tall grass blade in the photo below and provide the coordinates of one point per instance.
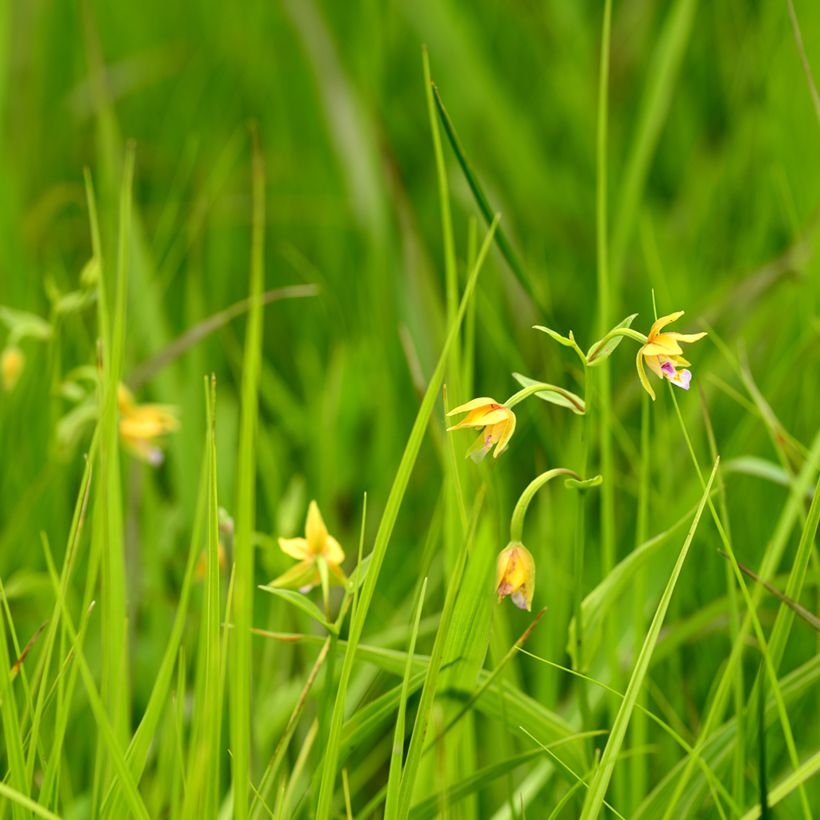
(600, 779)
(383, 537)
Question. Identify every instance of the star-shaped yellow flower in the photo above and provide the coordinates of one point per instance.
(663, 354)
(317, 543)
(515, 575)
(143, 425)
(496, 421)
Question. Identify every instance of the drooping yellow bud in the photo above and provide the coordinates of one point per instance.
(12, 365)
(516, 575)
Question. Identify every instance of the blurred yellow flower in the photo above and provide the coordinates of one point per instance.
(11, 367)
(663, 354)
(496, 421)
(143, 425)
(317, 543)
(515, 575)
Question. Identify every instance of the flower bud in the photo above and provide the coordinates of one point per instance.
(11, 367)
(516, 575)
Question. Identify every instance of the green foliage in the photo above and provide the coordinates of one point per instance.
(642, 155)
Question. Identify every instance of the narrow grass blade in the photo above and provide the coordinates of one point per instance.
(20, 801)
(658, 94)
(600, 780)
(396, 757)
(786, 786)
(141, 742)
(240, 645)
(107, 734)
(383, 536)
(16, 760)
(203, 762)
(504, 244)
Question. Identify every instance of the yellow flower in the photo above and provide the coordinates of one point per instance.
(662, 352)
(317, 543)
(515, 572)
(11, 366)
(142, 425)
(496, 421)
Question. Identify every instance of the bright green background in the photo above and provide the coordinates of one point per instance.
(723, 226)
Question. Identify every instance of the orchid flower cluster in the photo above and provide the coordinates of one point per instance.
(659, 350)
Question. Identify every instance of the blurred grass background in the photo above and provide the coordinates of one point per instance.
(713, 152)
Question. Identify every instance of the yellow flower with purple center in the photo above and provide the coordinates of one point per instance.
(143, 426)
(317, 544)
(515, 575)
(663, 354)
(495, 421)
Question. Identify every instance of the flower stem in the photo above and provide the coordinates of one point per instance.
(541, 387)
(517, 520)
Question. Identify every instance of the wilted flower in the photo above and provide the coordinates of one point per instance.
(11, 366)
(143, 425)
(662, 353)
(496, 421)
(317, 543)
(515, 572)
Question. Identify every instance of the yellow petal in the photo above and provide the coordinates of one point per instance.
(506, 434)
(333, 552)
(472, 405)
(642, 374)
(295, 547)
(662, 346)
(654, 365)
(125, 398)
(315, 530)
(685, 337)
(664, 321)
(482, 419)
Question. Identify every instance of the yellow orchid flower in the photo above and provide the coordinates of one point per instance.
(663, 354)
(496, 421)
(515, 575)
(11, 367)
(142, 425)
(317, 543)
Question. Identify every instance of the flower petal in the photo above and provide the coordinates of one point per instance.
(295, 547)
(505, 434)
(333, 552)
(482, 420)
(664, 321)
(480, 447)
(662, 346)
(685, 337)
(642, 374)
(315, 530)
(472, 405)
(655, 365)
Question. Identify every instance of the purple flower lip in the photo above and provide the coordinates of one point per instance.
(669, 369)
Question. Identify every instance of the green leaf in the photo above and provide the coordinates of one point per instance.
(554, 334)
(560, 396)
(298, 600)
(605, 347)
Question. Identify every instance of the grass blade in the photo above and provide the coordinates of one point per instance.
(383, 534)
(600, 779)
(240, 645)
